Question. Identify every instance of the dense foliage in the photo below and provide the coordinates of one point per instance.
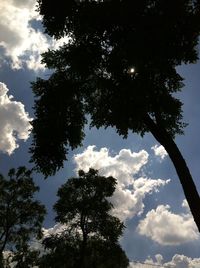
(118, 69)
(21, 216)
(92, 72)
(91, 234)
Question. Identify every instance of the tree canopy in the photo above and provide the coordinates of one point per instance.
(92, 72)
(118, 68)
(91, 234)
(21, 216)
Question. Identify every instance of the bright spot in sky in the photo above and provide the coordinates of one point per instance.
(131, 70)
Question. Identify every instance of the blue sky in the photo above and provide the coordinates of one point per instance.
(149, 197)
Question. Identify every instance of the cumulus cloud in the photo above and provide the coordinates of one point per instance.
(185, 205)
(178, 261)
(14, 121)
(181, 261)
(163, 226)
(122, 166)
(148, 263)
(58, 228)
(22, 44)
(128, 199)
(159, 151)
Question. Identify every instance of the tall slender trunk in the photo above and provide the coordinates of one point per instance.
(83, 250)
(1, 260)
(186, 180)
(84, 241)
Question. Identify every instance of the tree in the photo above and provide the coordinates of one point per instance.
(91, 235)
(24, 257)
(21, 216)
(119, 67)
(62, 250)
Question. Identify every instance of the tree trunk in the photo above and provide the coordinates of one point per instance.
(83, 251)
(1, 260)
(189, 188)
(84, 241)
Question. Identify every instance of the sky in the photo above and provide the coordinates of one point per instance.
(148, 196)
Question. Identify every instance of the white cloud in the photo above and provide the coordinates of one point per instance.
(56, 229)
(178, 261)
(22, 43)
(185, 205)
(163, 226)
(14, 121)
(122, 166)
(181, 261)
(141, 265)
(159, 151)
(148, 263)
(130, 193)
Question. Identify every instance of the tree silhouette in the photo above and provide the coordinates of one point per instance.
(24, 257)
(118, 67)
(21, 216)
(91, 235)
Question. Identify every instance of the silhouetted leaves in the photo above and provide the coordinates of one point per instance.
(21, 216)
(120, 67)
(60, 120)
(92, 71)
(91, 234)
